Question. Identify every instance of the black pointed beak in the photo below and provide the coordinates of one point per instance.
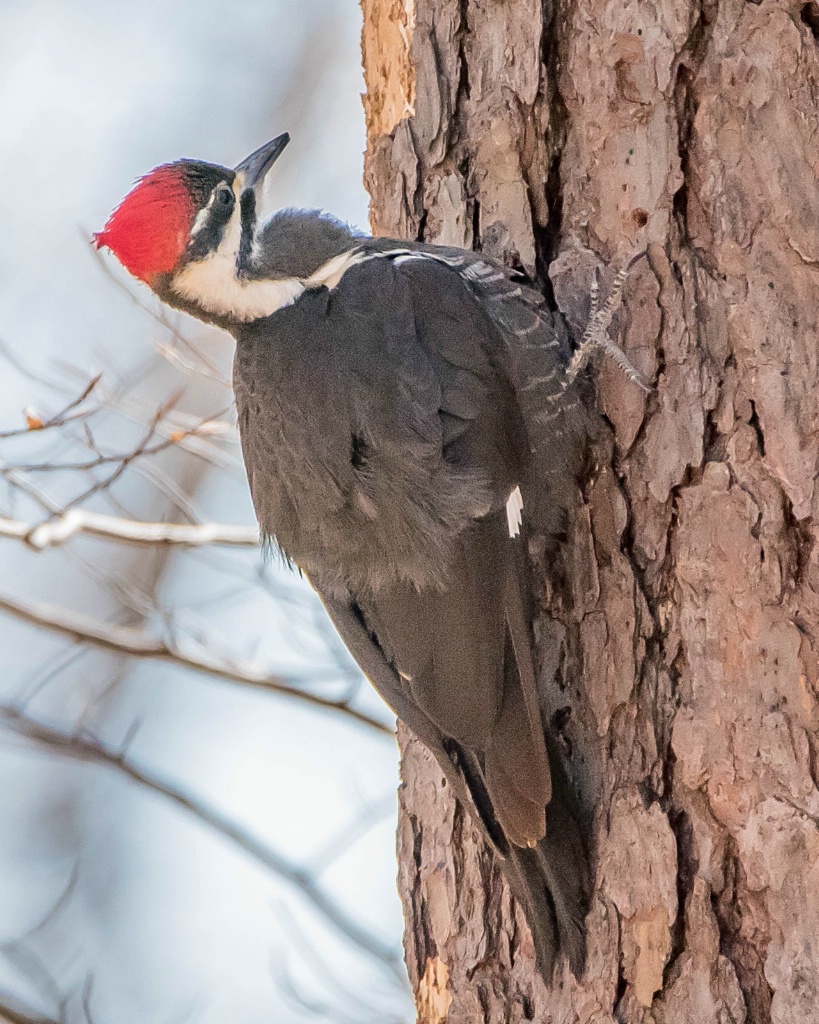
(255, 167)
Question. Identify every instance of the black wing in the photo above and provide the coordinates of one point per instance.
(394, 471)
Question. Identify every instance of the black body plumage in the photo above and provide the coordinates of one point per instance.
(385, 422)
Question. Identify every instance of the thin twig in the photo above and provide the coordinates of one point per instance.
(60, 418)
(9, 353)
(141, 644)
(54, 532)
(13, 1012)
(158, 315)
(338, 844)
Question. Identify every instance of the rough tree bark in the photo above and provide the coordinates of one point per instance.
(680, 659)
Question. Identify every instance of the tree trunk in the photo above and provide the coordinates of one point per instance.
(678, 636)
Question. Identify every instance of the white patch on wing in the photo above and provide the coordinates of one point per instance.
(330, 274)
(482, 273)
(399, 260)
(514, 512)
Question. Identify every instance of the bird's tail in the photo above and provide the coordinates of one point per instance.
(552, 883)
(551, 880)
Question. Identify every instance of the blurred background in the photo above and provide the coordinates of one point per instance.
(197, 789)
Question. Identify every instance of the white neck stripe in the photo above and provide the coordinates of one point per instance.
(214, 285)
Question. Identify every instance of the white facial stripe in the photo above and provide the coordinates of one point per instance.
(203, 216)
(214, 285)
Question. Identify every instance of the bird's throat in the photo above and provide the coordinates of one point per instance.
(215, 286)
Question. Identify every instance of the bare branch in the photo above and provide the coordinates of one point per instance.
(179, 422)
(329, 977)
(60, 418)
(199, 438)
(9, 353)
(93, 751)
(13, 1012)
(15, 479)
(57, 531)
(120, 459)
(141, 644)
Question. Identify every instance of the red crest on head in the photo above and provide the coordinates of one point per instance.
(150, 228)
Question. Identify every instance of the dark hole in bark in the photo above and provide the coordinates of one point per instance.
(810, 17)
(561, 718)
(358, 452)
(560, 723)
(622, 988)
(640, 217)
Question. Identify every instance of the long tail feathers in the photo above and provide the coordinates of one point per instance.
(552, 884)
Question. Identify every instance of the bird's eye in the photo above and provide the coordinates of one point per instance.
(224, 195)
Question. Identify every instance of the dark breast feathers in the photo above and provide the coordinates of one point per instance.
(385, 423)
(381, 419)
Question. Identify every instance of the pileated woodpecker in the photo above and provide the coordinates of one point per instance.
(406, 416)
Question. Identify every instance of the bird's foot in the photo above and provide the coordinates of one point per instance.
(596, 335)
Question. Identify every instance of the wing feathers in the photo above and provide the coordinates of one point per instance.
(384, 426)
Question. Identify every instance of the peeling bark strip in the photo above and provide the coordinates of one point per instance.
(386, 46)
(680, 661)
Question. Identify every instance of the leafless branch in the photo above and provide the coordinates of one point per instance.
(13, 1012)
(31, 967)
(141, 644)
(178, 421)
(15, 479)
(66, 415)
(120, 459)
(196, 436)
(93, 751)
(9, 353)
(57, 531)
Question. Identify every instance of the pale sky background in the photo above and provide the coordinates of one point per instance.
(170, 921)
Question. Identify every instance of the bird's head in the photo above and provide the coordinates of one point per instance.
(186, 230)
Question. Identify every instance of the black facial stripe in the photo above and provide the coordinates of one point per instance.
(206, 240)
(247, 208)
(211, 233)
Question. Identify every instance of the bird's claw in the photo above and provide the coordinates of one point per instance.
(596, 335)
